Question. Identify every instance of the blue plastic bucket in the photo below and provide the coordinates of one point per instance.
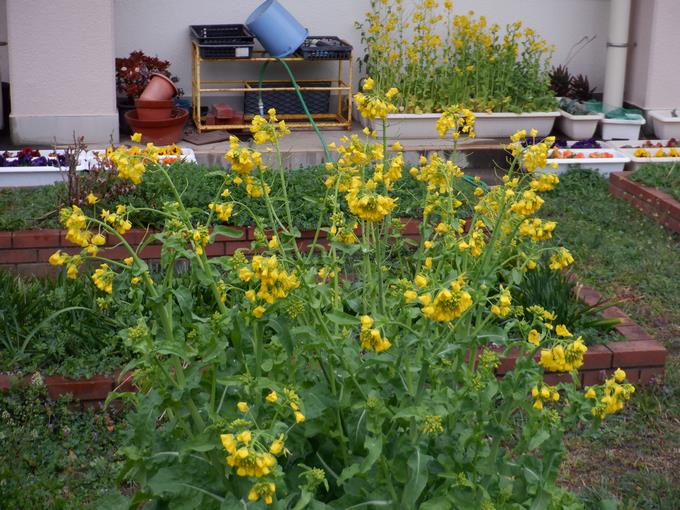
(276, 29)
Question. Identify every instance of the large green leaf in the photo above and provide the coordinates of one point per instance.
(417, 478)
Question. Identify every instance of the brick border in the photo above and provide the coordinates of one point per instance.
(656, 204)
(642, 357)
(28, 251)
(88, 392)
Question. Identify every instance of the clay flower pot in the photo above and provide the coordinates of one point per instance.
(160, 88)
(154, 110)
(160, 132)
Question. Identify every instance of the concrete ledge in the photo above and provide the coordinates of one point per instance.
(30, 130)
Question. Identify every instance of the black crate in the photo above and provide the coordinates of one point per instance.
(287, 101)
(223, 41)
(324, 47)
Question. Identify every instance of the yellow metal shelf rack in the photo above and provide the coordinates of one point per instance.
(341, 119)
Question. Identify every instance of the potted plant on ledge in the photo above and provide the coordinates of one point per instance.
(133, 74)
(576, 121)
(436, 60)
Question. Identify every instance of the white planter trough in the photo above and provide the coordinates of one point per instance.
(409, 126)
(187, 156)
(665, 125)
(603, 166)
(32, 176)
(629, 148)
(578, 127)
(622, 129)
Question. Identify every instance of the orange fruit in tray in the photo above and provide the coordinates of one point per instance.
(579, 155)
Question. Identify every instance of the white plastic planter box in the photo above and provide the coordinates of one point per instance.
(409, 126)
(603, 166)
(637, 161)
(665, 125)
(32, 176)
(621, 129)
(503, 125)
(188, 155)
(578, 127)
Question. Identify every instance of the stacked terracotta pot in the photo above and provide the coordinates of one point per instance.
(155, 115)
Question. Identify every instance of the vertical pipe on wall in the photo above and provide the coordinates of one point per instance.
(617, 52)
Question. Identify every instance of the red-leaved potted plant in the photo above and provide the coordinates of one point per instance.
(133, 74)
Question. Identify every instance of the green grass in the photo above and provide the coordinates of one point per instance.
(25, 209)
(665, 177)
(627, 257)
(53, 457)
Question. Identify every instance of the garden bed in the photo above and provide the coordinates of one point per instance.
(642, 357)
(657, 204)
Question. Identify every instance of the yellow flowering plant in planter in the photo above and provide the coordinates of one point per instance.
(356, 372)
(437, 58)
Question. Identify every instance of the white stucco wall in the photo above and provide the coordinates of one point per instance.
(160, 27)
(62, 71)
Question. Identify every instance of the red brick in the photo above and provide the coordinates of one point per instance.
(507, 361)
(554, 378)
(36, 239)
(18, 256)
(134, 237)
(638, 353)
(231, 246)
(151, 252)
(588, 295)
(653, 375)
(411, 226)
(632, 331)
(6, 381)
(250, 232)
(615, 311)
(597, 356)
(592, 377)
(124, 383)
(214, 250)
(5, 239)
(96, 388)
(309, 234)
(117, 253)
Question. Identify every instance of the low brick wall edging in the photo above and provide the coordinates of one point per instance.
(656, 204)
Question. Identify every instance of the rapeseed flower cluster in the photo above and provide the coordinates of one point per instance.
(274, 281)
(72, 262)
(544, 394)
(611, 395)
(118, 220)
(458, 120)
(248, 458)
(564, 358)
(502, 309)
(537, 229)
(268, 130)
(370, 337)
(243, 161)
(373, 105)
(448, 304)
(103, 278)
(561, 259)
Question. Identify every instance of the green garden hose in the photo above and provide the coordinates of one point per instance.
(260, 104)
